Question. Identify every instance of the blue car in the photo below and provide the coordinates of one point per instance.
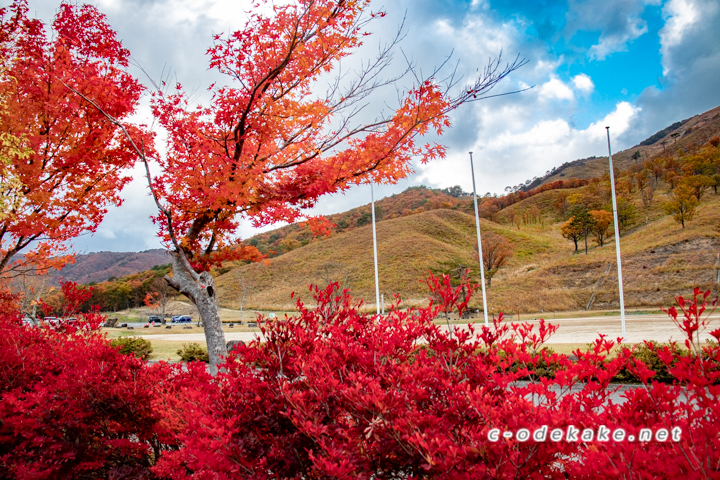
(181, 319)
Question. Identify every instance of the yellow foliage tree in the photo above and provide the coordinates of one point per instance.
(682, 204)
(601, 226)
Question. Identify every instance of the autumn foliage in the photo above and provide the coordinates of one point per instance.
(67, 163)
(72, 406)
(333, 393)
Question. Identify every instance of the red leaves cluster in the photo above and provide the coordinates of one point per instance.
(77, 160)
(334, 393)
(71, 406)
(450, 298)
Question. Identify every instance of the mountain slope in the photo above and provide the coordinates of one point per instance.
(696, 130)
(100, 266)
(408, 248)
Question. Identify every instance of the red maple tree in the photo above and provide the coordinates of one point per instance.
(268, 145)
(67, 163)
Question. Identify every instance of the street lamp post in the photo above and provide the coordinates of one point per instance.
(617, 236)
(480, 255)
(377, 283)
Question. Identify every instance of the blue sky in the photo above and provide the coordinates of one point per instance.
(636, 65)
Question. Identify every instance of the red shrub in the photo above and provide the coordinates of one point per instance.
(333, 393)
(71, 406)
(357, 396)
(691, 404)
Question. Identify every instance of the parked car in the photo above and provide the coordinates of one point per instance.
(181, 319)
(51, 321)
(59, 323)
(155, 319)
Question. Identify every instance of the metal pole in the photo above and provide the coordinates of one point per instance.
(480, 255)
(617, 237)
(377, 283)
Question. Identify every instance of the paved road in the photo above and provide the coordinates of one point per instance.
(572, 330)
(637, 328)
(200, 337)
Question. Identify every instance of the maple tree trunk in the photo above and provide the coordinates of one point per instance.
(202, 294)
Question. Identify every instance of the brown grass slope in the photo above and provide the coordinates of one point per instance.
(661, 261)
(412, 200)
(408, 248)
(696, 130)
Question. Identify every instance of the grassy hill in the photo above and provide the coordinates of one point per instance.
(407, 248)
(661, 261)
(411, 201)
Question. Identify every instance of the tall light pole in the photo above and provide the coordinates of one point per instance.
(617, 236)
(480, 255)
(377, 282)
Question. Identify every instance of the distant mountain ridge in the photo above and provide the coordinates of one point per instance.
(100, 266)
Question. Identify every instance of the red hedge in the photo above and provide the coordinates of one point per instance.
(71, 406)
(334, 393)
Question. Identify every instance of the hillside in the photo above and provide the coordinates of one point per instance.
(100, 266)
(411, 201)
(661, 261)
(408, 247)
(694, 131)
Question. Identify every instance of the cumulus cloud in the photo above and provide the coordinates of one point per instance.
(680, 16)
(618, 21)
(612, 43)
(583, 83)
(690, 49)
(511, 157)
(556, 89)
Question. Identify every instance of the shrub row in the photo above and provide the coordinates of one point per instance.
(334, 393)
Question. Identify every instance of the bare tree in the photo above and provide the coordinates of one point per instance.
(331, 272)
(244, 287)
(31, 286)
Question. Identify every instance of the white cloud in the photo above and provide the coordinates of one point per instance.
(555, 89)
(619, 22)
(617, 42)
(509, 156)
(679, 15)
(618, 121)
(583, 83)
(105, 233)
